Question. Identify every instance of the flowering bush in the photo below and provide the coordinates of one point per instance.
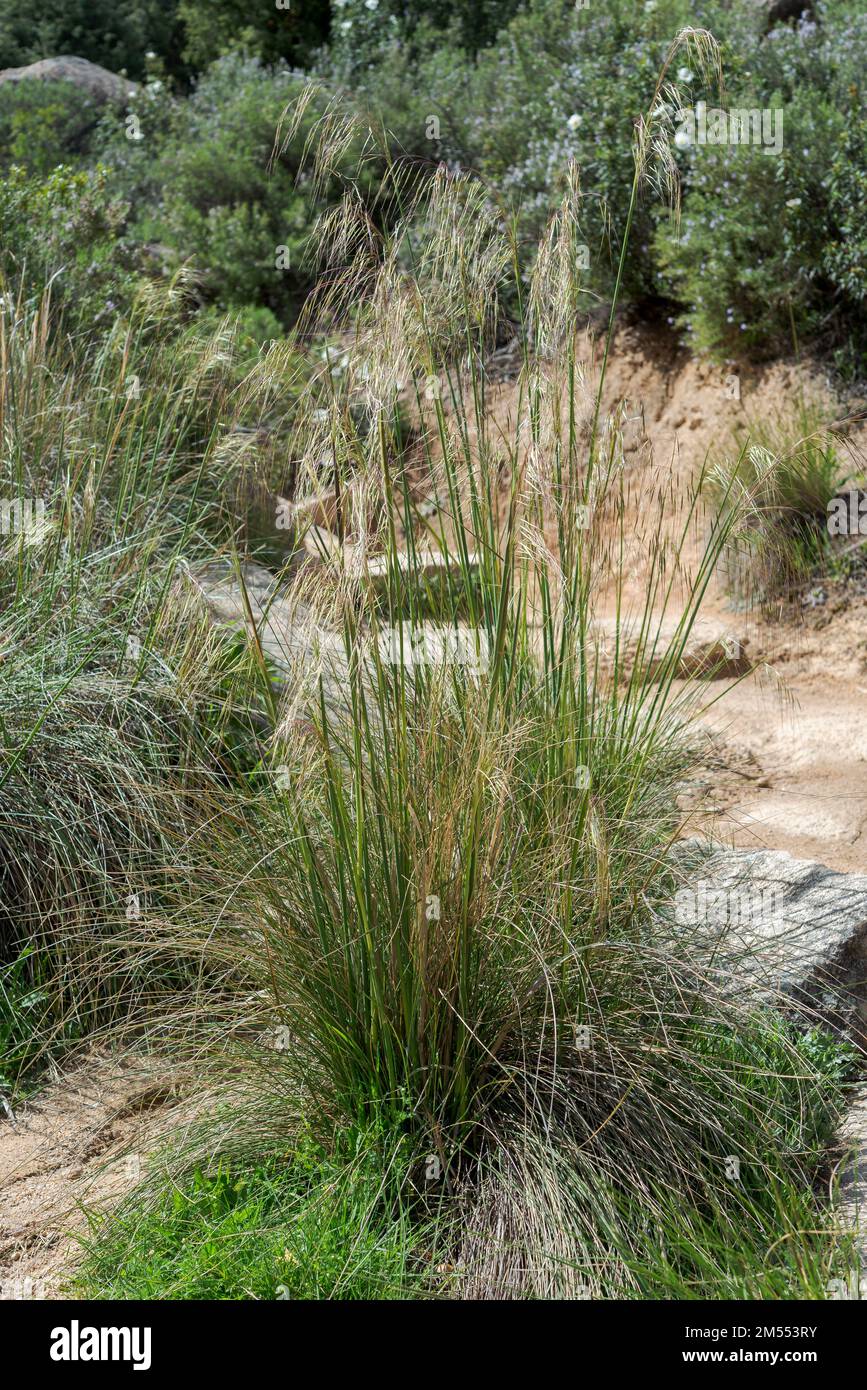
(771, 247)
(561, 83)
(747, 259)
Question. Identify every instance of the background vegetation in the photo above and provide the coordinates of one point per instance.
(768, 254)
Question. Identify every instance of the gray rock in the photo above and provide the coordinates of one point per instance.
(782, 926)
(97, 82)
(427, 564)
(300, 649)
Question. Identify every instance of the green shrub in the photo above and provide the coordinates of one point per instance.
(747, 257)
(761, 261)
(43, 124)
(845, 256)
(129, 142)
(242, 222)
(66, 229)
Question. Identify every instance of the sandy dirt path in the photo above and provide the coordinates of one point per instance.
(793, 771)
(76, 1147)
(806, 791)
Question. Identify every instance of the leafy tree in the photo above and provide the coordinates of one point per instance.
(268, 29)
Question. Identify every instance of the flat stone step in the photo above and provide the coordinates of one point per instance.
(286, 629)
(429, 565)
(304, 651)
(782, 924)
(712, 650)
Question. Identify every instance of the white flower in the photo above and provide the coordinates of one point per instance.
(346, 26)
(574, 121)
(684, 75)
(793, 202)
(682, 139)
(371, 4)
